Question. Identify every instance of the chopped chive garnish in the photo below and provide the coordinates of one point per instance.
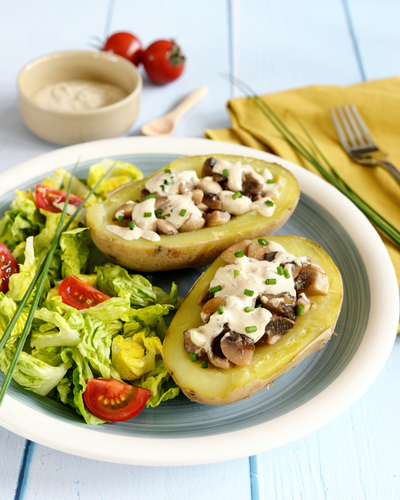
(120, 218)
(262, 241)
(249, 309)
(151, 196)
(251, 329)
(270, 181)
(193, 356)
(239, 254)
(237, 195)
(286, 274)
(248, 292)
(236, 272)
(137, 201)
(269, 203)
(279, 270)
(166, 216)
(166, 182)
(258, 305)
(158, 213)
(300, 310)
(215, 289)
(172, 180)
(220, 310)
(182, 212)
(204, 364)
(271, 281)
(131, 225)
(162, 187)
(168, 171)
(147, 214)
(225, 173)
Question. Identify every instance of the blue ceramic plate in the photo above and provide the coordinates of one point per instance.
(180, 432)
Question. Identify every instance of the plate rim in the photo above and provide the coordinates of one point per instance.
(354, 380)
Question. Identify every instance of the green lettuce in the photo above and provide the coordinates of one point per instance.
(160, 384)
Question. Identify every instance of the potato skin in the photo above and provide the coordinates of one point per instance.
(193, 249)
(214, 386)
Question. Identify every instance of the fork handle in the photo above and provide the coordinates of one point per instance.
(391, 169)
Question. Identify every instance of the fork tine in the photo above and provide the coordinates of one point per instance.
(354, 126)
(339, 131)
(362, 126)
(345, 124)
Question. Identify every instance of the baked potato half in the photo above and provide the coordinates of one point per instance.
(215, 386)
(194, 248)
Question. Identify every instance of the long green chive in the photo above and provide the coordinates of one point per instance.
(237, 195)
(204, 364)
(131, 225)
(249, 309)
(215, 289)
(270, 181)
(147, 214)
(270, 281)
(286, 274)
(336, 179)
(149, 196)
(236, 272)
(182, 212)
(300, 310)
(251, 329)
(220, 310)
(168, 171)
(248, 292)
(279, 270)
(269, 203)
(239, 254)
(262, 241)
(225, 173)
(193, 356)
(120, 218)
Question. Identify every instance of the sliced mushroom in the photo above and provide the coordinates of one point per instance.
(251, 185)
(212, 201)
(219, 177)
(217, 218)
(209, 186)
(237, 348)
(160, 202)
(277, 327)
(293, 268)
(202, 207)
(208, 166)
(190, 346)
(197, 196)
(164, 227)
(193, 223)
(145, 193)
(312, 279)
(125, 210)
(215, 354)
(303, 301)
(204, 296)
(260, 252)
(280, 305)
(228, 255)
(211, 307)
(184, 187)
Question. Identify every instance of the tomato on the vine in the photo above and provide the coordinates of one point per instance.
(76, 293)
(112, 400)
(125, 45)
(163, 61)
(8, 266)
(47, 196)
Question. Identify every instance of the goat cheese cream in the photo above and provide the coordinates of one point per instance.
(78, 95)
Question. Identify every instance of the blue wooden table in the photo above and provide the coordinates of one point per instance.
(273, 46)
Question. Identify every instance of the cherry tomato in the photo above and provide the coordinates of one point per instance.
(47, 196)
(8, 266)
(163, 61)
(110, 399)
(76, 293)
(125, 45)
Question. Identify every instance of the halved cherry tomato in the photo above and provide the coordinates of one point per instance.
(47, 196)
(8, 266)
(125, 45)
(76, 293)
(163, 61)
(110, 399)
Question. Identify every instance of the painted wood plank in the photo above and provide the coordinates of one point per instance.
(376, 30)
(11, 454)
(282, 45)
(201, 29)
(52, 473)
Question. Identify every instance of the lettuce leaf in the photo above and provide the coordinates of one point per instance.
(160, 384)
(119, 173)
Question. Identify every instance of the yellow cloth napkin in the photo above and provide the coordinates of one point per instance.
(379, 105)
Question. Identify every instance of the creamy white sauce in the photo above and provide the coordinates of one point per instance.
(133, 234)
(78, 95)
(179, 208)
(167, 183)
(143, 215)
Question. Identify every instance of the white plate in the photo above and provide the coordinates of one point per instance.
(323, 386)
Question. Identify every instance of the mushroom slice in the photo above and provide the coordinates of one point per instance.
(208, 166)
(277, 327)
(212, 201)
(193, 223)
(145, 193)
(160, 202)
(260, 252)
(303, 301)
(126, 210)
(184, 187)
(204, 296)
(211, 307)
(164, 227)
(209, 186)
(215, 354)
(237, 348)
(197, 196)
(312, 279)
(252, 186)
(229, 256)
(190, 346)
(202, 207)
(280, 305)
(217, 218)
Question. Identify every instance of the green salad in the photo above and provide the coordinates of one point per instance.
(94, 322)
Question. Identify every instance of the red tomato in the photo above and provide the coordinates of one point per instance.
(110, 399)
(163, 61)
(8, 266)
(76, 293)
(47, 196)
(125, 45)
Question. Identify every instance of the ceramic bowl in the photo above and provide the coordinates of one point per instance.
(71, 127)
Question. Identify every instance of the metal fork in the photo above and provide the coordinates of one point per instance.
(357, 141)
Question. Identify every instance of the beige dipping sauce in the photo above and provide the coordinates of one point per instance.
(78, 95)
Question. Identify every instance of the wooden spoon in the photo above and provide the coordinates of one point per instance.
(166, 124)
